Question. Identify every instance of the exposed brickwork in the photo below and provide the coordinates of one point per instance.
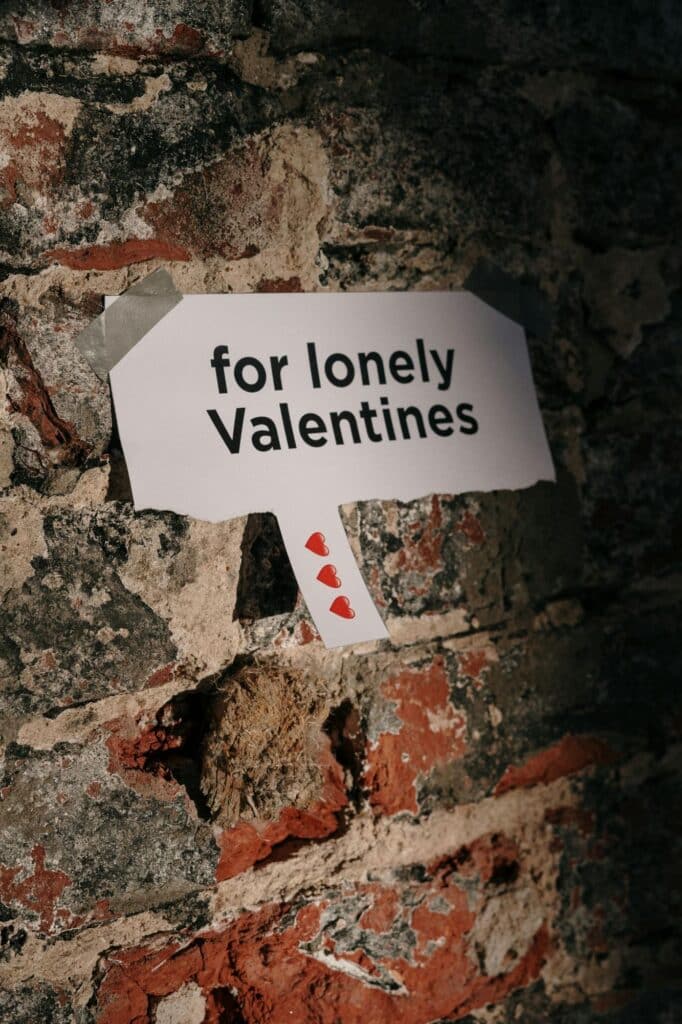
(338, 959)
(431, 733)
(204, 815)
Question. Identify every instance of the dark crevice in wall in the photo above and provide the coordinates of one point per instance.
(9, 270)
(424, 59)
(267, 585)
(348, 740)
(259, 16)
(12, 938)
(289, 847)
(144, 58)
(60, 709)
(119, 488)
(226, 1007)
(181, 724)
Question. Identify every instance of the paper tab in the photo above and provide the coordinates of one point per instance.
(328, 576)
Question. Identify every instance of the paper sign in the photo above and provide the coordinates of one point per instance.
(296, 404)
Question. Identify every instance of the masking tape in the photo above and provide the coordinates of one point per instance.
(114, 332)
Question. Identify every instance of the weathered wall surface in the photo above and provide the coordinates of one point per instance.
(204, 815)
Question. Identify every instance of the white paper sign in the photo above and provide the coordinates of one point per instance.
(296, 404)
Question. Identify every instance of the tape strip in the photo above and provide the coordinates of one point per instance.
(114, 332)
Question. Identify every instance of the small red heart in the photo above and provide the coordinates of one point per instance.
(316, 544)
(327, 575)
(341, 606)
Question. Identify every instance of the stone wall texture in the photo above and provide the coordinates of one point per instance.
(205, 816)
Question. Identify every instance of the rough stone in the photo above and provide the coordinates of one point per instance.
(204, 814)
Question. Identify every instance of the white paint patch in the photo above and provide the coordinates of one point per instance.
(505, 928)
(186, 1006)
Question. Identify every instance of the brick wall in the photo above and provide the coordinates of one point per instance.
(205, 816)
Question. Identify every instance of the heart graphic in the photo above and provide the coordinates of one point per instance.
(341, 606)
(327, 575)
(316, 544)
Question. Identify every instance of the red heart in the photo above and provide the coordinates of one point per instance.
(341, 606)
(316, 544)
(327, 575)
